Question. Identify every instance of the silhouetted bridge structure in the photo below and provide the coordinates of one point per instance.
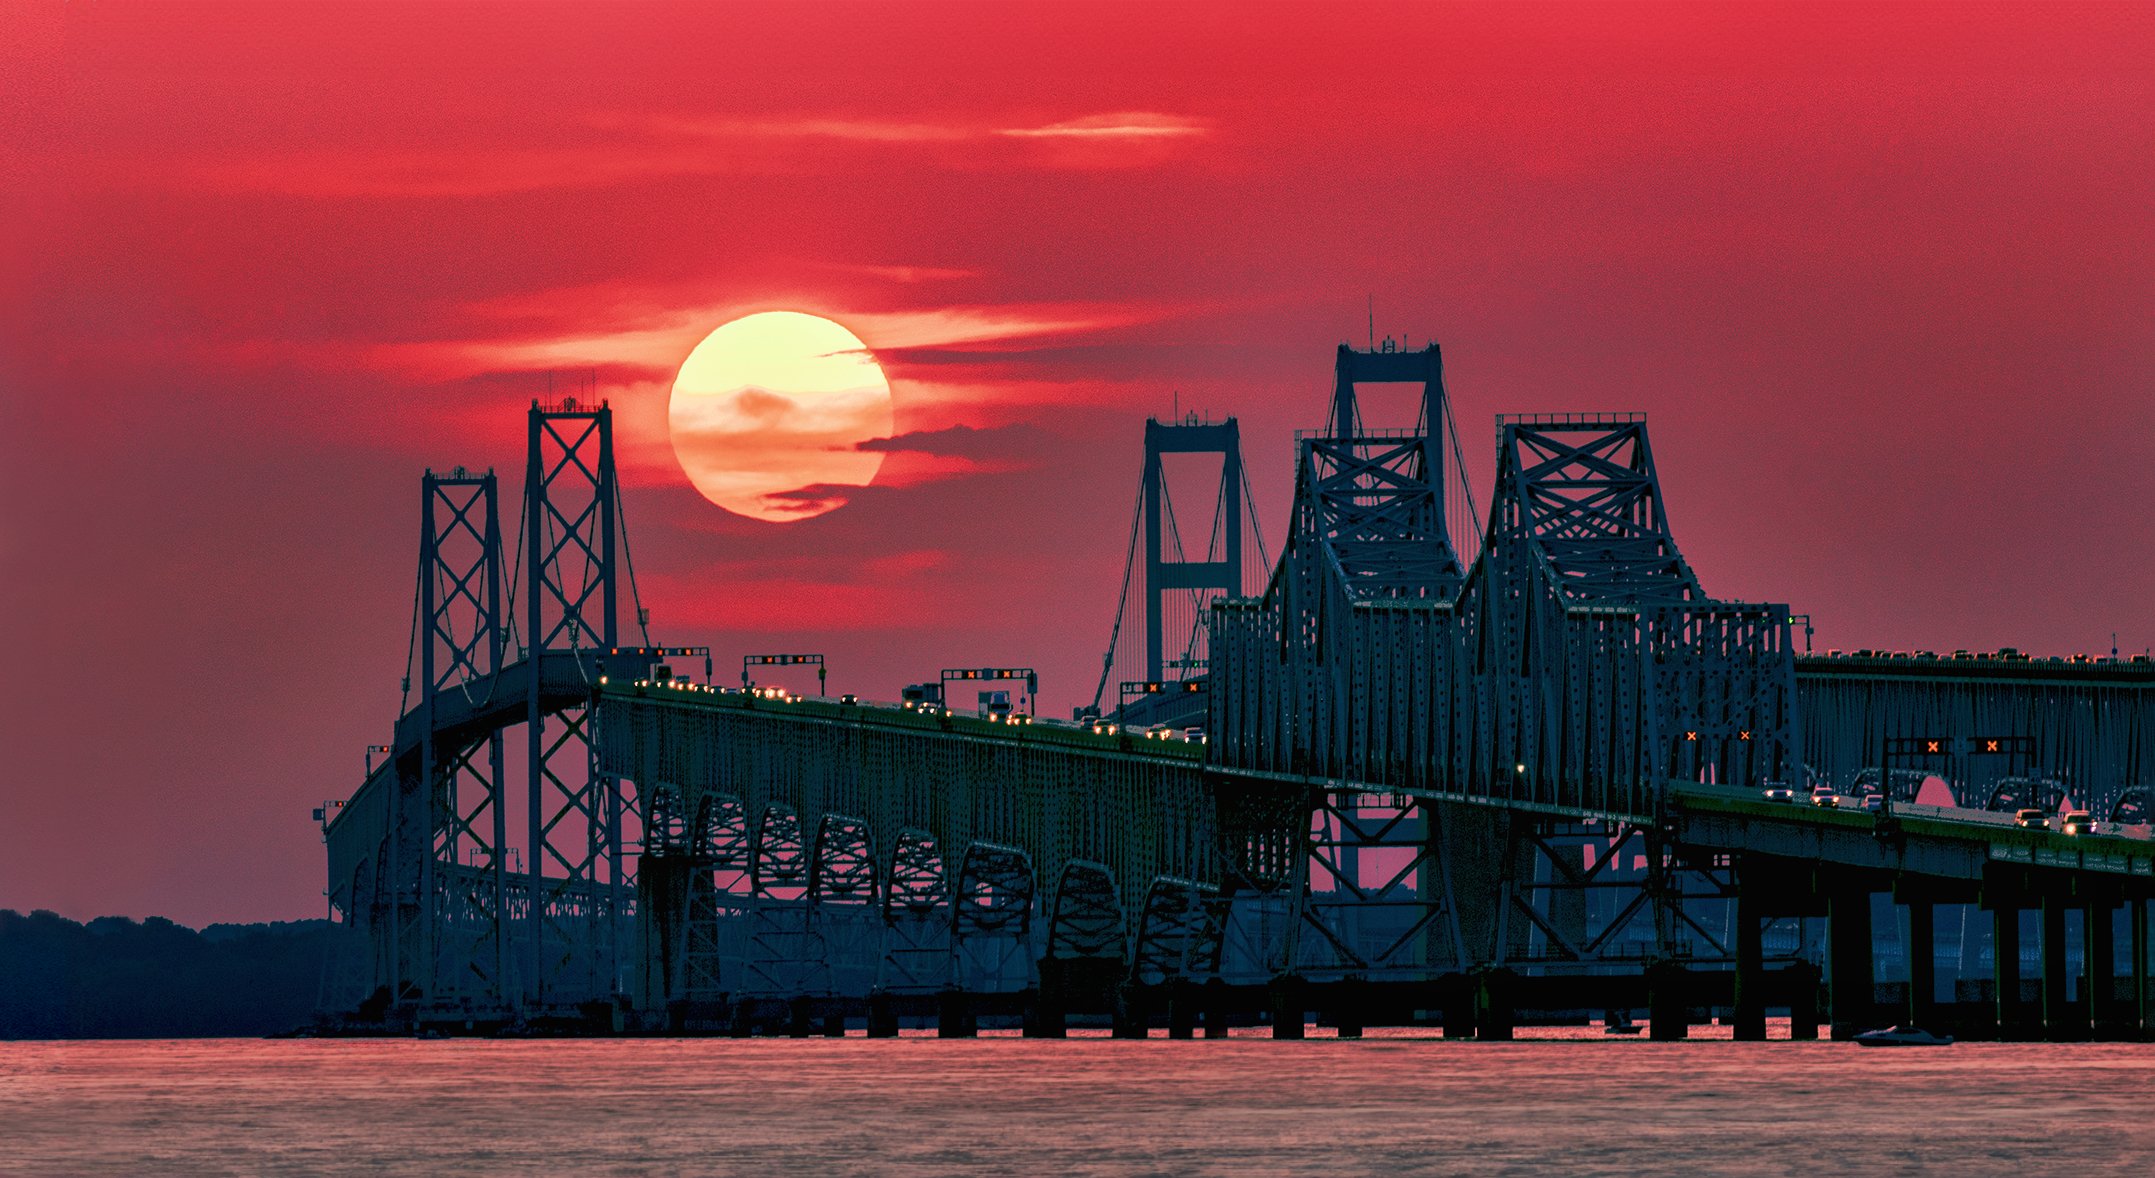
(1525, 781)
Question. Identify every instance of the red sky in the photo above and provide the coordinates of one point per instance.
(1884, 279)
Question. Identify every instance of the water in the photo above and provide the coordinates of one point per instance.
(1392, 1104)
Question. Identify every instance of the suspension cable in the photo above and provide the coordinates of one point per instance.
(1459, 463)
(1129, 563)
(621, 521)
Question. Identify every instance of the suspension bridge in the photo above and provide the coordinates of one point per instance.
(1426, 765)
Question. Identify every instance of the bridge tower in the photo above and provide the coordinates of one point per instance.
(1167, 582)
(1164, 575)
(463, 876)
(574, 869)
(1376, 497)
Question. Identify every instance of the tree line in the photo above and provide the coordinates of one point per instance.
(119, 978)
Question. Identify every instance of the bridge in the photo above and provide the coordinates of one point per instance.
(1540, 778)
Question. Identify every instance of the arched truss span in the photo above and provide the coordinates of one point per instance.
(991, 919)
(1179, 932)
(918, 888)
(779, 868)
(1086, 919)
(2135, 806)
(916, 918)
(2026, 793)
(842, 868)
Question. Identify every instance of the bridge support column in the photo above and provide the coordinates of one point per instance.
(1043, 1017)
(882, 1016)
(1848, 931)
(1458, 996)
(2060, 1020)
(2144, 1016)
(1132, 1016)
(1493, 1010)
(1288, 1012)
(1181, 1010)
(1750, 1013)
(2005, 970)
(2102, 985)
(1922, 962)
(1215, 1009)
(1803, 1001)
(800, 1018)
(1349, 998)
(1668, 1002)
(954, 1016)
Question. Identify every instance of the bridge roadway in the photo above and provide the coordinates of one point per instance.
(1175, 855)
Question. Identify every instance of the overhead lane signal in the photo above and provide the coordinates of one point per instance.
(786, 660)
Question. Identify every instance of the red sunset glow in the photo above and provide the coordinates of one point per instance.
(1881, 276)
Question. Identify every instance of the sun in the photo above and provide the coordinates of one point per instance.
(768, 414)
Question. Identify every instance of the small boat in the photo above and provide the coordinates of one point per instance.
(1903, 1037)
(1618, 1022)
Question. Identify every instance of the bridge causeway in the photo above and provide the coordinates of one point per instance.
(1529, 784)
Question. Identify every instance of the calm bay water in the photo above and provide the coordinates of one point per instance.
(1389, 1104)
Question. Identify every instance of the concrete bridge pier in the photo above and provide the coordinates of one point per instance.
(1288, 1011)
(2063, 1019)
(1750, 997)
(1182, 1003)
(1132, 1016)
(1458, 995)
(954, 1017)
(1803, 1001)
(1848, 953)
(2143, 1006)
(1215, 1009)
(1668, 1002)
(1494, 1004)
(1349, 998)
(882, 1016)
(2013, 1022)
(1922, 962)
(2103, 1008)
(1043, 1016)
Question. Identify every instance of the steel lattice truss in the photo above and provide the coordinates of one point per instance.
(1577, 664)
(1582, 492)
(1372, 502)
(2080, 730)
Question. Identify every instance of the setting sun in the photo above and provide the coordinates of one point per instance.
(768, 412)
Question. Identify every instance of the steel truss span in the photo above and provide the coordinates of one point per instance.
(1443, 782)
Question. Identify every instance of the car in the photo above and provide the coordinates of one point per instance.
(1194, 733)
(2032, 820)
(1104, 728)
(1825, 799)
(1158, 732)
(2079, 822)
(1875, 803)
(848, 700)
(1780, 793)
(1017, 718)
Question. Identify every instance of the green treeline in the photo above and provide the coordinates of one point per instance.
(116, 978)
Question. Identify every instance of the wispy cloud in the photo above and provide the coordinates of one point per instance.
(612, 150)
(905, 274)
(1129, 125)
